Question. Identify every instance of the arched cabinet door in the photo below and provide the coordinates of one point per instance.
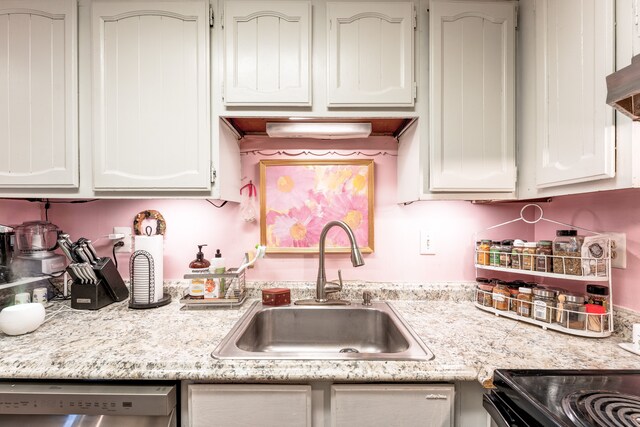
(151, 101)
(370, 54)
(38, 94)
(472, 90)
(267, 53)
(575, 43)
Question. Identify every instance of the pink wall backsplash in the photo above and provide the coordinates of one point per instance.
(453, 226)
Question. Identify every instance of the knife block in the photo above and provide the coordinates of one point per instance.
(110, 288)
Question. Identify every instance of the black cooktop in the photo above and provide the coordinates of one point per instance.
(571, 398)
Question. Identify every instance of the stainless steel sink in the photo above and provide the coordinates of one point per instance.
(353, 332)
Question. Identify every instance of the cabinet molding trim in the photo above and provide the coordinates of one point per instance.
(56, 16)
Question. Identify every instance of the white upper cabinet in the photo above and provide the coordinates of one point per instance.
(472, 96)
(267, 53)
(575, 52)
(370, 54)
(38, 94)
(151, 124)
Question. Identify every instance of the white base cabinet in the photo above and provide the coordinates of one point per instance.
(241, 405)
(400, 405)
(323, 404)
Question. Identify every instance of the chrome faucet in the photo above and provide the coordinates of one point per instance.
(322, 286)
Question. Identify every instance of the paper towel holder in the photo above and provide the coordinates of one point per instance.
(141, 274)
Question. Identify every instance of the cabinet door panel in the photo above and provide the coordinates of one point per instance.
(267, 53)
(151, 102)
(576, 133)
(38, 94)
(212, 405)
(392, 405)
(370, 57)
(472, 105)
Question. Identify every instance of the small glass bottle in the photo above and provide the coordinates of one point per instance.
(483, 252)
(567, 252)
(501, 296)
(505, 253)
(544, 303)
(484, 292)
(516, 254)
(544, 261)
(494, 254)
(523, 304)
(528, 256)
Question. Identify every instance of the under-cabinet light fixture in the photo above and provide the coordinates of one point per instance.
(318, 130)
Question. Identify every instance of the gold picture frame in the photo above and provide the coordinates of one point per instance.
(298, 197)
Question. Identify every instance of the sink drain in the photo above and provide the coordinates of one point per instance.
(349, 350)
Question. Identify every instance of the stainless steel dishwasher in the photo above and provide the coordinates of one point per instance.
(39, 404)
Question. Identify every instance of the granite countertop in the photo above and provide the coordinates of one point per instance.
(173, 344)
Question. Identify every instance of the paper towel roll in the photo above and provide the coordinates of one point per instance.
(154, 245)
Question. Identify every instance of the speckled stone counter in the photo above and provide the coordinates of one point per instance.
(170, 343)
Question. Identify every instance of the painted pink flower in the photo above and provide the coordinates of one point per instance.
(298, 228)
(288, 187)
(351, 209)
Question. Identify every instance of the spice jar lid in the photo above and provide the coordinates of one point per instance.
(531, 285)
(558, 290)
(573, 298)
(486, 241)
(485, 287)
(508, 242)
(597, 290)
(595, 309)
(530, 244)
(542, 292)
(545, 243)
(560, 233)
(524, 290)
(495, 242)
(482, 280)
(519, 243)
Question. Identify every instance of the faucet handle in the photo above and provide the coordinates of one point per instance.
(331, 287)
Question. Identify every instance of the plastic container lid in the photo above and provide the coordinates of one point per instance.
(560, 233)
(524, 290)
(572, 298)
(595, 309)
(597, 290)
(541, 292)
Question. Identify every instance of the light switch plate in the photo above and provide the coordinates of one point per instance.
(426, 243)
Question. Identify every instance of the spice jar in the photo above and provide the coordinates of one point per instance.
(544, 261)
(528, 256)
(599, 295)
(523, 303)
(484, 290)
(513, 295)
(566, 253)
(501, 296)
(596, 318)
(494, 254)
(570, 311)
(516, 254)
(483, 252)
(505, 253)
(544, 303)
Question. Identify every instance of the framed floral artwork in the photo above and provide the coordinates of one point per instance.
(298, 197)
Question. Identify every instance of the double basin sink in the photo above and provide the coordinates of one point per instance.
(353, 332)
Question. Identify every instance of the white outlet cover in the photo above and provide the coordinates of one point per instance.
(128, 244)
(620, 249)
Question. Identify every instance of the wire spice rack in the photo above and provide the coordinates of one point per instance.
(575, 268)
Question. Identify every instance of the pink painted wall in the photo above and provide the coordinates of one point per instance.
(604, 211)
(396, 256)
